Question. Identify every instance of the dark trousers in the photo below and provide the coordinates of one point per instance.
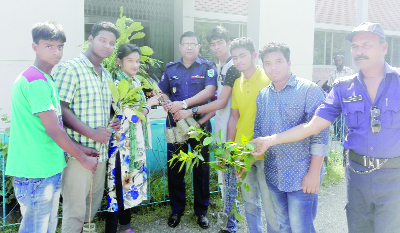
(124, 216)
(201, 178)
(373, 200)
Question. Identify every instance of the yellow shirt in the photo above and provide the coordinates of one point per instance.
(244, 94)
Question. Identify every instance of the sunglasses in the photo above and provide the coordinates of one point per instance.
(375, 124)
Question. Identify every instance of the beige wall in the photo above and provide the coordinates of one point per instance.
(290, 22)
(17, 19)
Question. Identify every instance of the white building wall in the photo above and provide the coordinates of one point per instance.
(17, 19)
(287, 21)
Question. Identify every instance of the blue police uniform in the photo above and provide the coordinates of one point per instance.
(181, 83)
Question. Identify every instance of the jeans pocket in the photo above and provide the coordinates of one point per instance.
(26, 186)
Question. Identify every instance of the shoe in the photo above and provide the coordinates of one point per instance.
(202, 220)
(174, 220)
(224, 231)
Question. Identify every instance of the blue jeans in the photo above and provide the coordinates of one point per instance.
(252, 200)
(231, 194)
(38, 199)
(295, 211)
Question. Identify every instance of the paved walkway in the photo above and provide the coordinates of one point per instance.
(331, 216)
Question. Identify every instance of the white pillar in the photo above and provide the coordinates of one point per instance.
(287, 21)
(361, 11)
(183, 22)
(17, 19)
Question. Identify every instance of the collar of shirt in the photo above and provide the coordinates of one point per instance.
(197, 60)
(290, 83)
(89, 63)
(257, 74)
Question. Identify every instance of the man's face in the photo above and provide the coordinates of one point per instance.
(189, 48)
(338, 61)
(243, 59)
(276, 67)
(49, 51)
(367, 51)
(103, 44)
(220, 47)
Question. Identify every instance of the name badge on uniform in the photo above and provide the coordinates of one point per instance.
(174, 77)
(352, 99)
(174, 90)
(210, 73)
(196, 77)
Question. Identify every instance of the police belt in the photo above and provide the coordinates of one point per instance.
(371, 163)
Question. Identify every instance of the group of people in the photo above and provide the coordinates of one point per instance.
(69, 110)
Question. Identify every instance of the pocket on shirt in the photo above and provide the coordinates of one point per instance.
(175, 86)
(390, 115)
(197, 85)
(294, 114)
(354, 113)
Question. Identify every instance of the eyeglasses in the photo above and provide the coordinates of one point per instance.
(191, 45)
(375, 124)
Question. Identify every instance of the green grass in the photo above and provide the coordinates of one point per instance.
(335, 169)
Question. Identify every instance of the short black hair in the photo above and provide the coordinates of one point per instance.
(273, 47)
(126, 49)
(48, 31)
(107, 26)
(243, 42)
(339, 55)
(189, 34)
(217, 32)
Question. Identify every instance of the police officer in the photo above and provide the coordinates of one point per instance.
(370, 103)
(190, 81)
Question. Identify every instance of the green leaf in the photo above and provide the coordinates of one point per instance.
(207, 141)
(215, 166)
(250, 146)
(238, 184)
(136, 26)
(137, 35)
(244, 174)
(123, 88)
(144, 58)
(200, 157)
(146, 50)
(247, 163)
(133, 91)
(246, 187)
(220, 134)
(140, 115)
(113, 90)
(236, 213)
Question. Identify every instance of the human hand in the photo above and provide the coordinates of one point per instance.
(311, 182)
(90, 163)
(166, 105)
(90, 151)
(182, 114)
(263, 143)
(115, 124)
(175, 106)
(101, 134)
(153, 100)
(240, 174)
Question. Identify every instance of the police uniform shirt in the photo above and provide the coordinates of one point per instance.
(181, 83)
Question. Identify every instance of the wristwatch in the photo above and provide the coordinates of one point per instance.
(194, 110)
(184, 105)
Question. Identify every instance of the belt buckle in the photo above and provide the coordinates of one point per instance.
(371, 162)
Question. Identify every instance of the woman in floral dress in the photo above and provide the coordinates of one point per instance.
(127, 171)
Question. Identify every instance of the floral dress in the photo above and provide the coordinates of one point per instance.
(131, 141)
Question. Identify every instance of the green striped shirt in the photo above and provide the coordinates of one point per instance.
(89, 97)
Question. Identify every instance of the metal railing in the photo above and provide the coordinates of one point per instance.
(157, 171)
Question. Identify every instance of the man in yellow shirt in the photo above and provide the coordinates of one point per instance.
(241, 122)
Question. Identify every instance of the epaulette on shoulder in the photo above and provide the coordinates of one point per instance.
(171, 63)
(344, 79)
